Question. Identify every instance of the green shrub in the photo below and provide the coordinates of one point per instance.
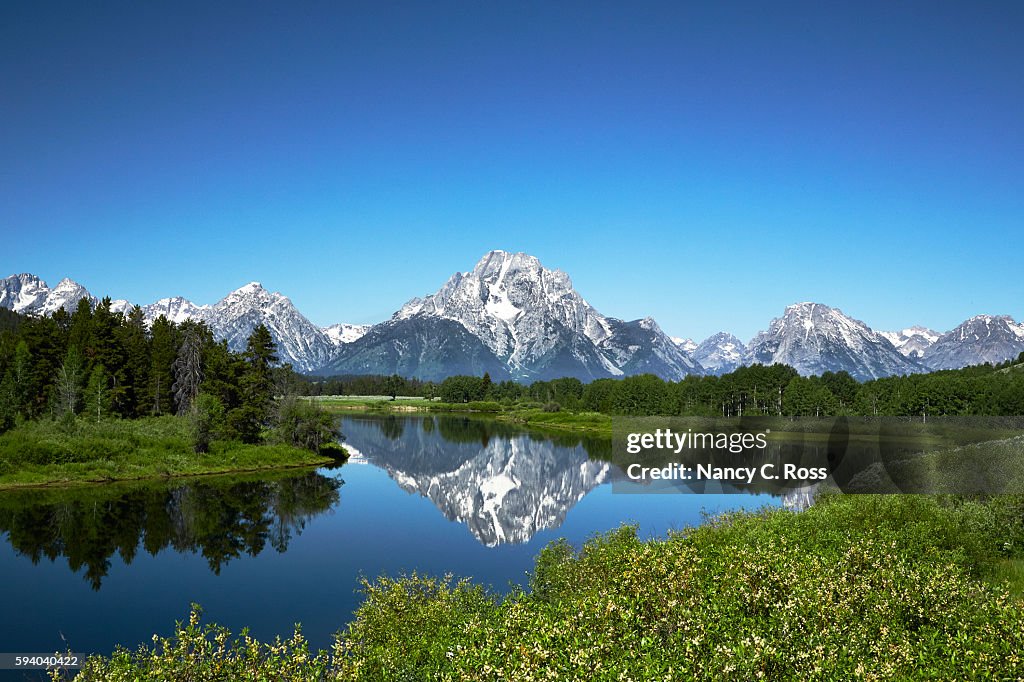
(858, 587)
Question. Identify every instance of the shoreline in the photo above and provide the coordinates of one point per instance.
(87, 482)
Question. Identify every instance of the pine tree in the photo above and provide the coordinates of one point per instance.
(133, 339)
(257, 386)
(159, 394)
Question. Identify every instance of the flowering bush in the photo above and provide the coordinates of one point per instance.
(856, 587)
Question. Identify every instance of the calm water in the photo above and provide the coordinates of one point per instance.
(117, 564)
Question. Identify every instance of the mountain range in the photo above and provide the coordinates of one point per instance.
(515, 319)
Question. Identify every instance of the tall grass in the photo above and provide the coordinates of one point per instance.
(81, 450)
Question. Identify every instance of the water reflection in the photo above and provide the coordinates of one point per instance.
(219, 518)
(503, 483)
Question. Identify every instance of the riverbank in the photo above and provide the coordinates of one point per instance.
(84, 452)
(533, 417)
(875, 587)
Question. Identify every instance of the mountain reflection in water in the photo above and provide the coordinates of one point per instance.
(504, 484)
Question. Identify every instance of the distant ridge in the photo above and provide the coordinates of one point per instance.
(515, 319)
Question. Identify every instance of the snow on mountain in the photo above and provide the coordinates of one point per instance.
(65, 295)
(688, 345)
(533, 322)
(504, 490)
(346, 333)
(121, 306)
(981, 339)
(29, 295)
(720, 353)
(641, 347)
(513, 318)
(176, 310)
(814, 338)
(515, 306)
(23, 293)
(299, 341)
(912, 342)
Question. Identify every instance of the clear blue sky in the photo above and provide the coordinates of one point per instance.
(703, 163)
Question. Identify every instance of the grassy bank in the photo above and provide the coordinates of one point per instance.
(526, 415)
(857, 587)
(46, 452)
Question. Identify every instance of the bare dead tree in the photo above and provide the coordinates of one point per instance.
(188, 370)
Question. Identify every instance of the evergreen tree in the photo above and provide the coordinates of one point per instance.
(8, 403)
(162, 356)
(80, 330)
(257, 387)
(134, 340)
(20, 367)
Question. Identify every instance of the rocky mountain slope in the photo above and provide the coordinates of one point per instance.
(982, 338)
(814, 338)
(528, 318)
(720, 353)
(516, 319)
(299, 341)
(912, 342)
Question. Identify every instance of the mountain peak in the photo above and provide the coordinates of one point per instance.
(912, 342)
(495, 265)
(980, 339)
(529, 319)
(67, 283)
(249, 288)
(719, 353)
(815, 338)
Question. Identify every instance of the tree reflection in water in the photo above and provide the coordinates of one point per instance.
(220, 518)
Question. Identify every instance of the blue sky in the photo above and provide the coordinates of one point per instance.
(703, 163)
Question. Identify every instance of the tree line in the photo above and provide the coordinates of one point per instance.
(774, 390)
(97, 363)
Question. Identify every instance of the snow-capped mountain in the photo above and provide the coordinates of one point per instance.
(814, 338)
(912, 342)
(688, 345)
(981, 339)
(346, 333)
(514, 318)
(298, 340)
(527, 317)
(504, 490)
(720, 353)
(176, 309)
(29, 295)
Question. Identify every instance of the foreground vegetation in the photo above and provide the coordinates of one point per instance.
(857, 587)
